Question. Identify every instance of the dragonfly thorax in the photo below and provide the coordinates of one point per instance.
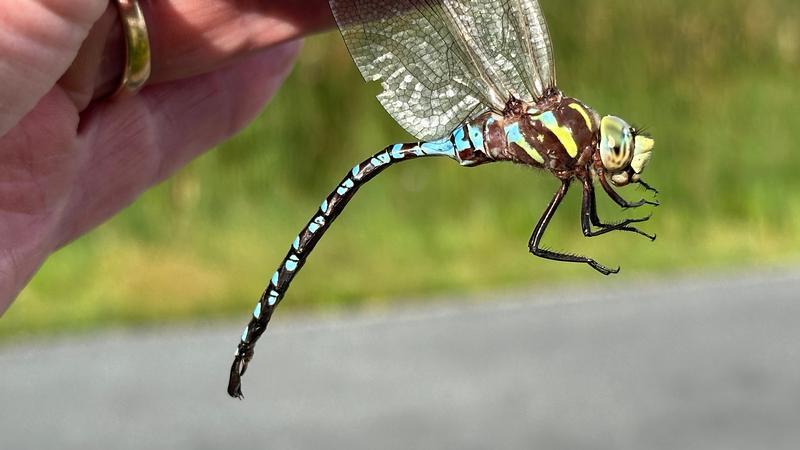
(624, 152)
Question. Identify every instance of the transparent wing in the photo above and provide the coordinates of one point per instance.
(508, 41)
(526, 42)
(440, 61)
(406, 46)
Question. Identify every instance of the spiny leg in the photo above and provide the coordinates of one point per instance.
(618, 198)
(589, 217)
(304, 243)
(544, 221)
(647, 187)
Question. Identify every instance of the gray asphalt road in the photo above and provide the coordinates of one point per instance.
(683, 364)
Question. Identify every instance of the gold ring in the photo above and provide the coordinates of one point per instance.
(137, 48)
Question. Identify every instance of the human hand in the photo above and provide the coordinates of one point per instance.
(70, 157)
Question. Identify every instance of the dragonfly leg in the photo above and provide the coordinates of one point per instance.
(618, 198)
(544, 221)
(589, 217)
(304, 243)
(647, 187)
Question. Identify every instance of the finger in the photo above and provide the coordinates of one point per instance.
(39, 40)
(191, 37)
(137, 142)
(38, 162)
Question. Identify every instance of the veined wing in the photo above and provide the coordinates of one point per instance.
(441, 60)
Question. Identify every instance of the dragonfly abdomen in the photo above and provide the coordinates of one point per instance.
(470, 143)
(309, 236)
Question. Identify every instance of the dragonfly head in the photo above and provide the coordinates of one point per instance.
(624, 152)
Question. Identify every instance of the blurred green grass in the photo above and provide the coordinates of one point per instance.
(715, 82)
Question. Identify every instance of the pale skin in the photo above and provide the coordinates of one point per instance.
(70, 158)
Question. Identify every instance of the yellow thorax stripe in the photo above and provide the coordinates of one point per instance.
(514, 135)
(583, 112)
(563, 134)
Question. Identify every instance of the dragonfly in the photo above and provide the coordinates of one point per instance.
(473, 81)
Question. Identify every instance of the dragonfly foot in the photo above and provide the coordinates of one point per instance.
(641, 202)
(652, 237)
(603, 269)
(648, 188)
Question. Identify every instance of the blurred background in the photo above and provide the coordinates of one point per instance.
(715, 82)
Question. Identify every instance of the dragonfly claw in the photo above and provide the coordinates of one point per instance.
(648, 188)
(603, 269)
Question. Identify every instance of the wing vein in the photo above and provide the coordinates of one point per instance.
(442, 61)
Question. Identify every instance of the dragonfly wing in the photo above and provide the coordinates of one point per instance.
(537, 48)
(509, 42)
(405, 46)
(439, 61)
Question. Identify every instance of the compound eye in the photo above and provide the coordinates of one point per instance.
(616, 143)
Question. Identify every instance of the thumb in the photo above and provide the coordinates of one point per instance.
(40, 39)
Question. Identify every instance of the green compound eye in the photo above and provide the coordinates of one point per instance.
(616, 143)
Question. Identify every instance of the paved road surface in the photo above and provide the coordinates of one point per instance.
(684, 364)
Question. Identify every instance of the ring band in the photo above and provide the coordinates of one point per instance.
(137, 48)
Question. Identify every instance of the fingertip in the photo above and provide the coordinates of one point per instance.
(38, 43)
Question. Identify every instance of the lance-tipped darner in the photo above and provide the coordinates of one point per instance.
(480, 73)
